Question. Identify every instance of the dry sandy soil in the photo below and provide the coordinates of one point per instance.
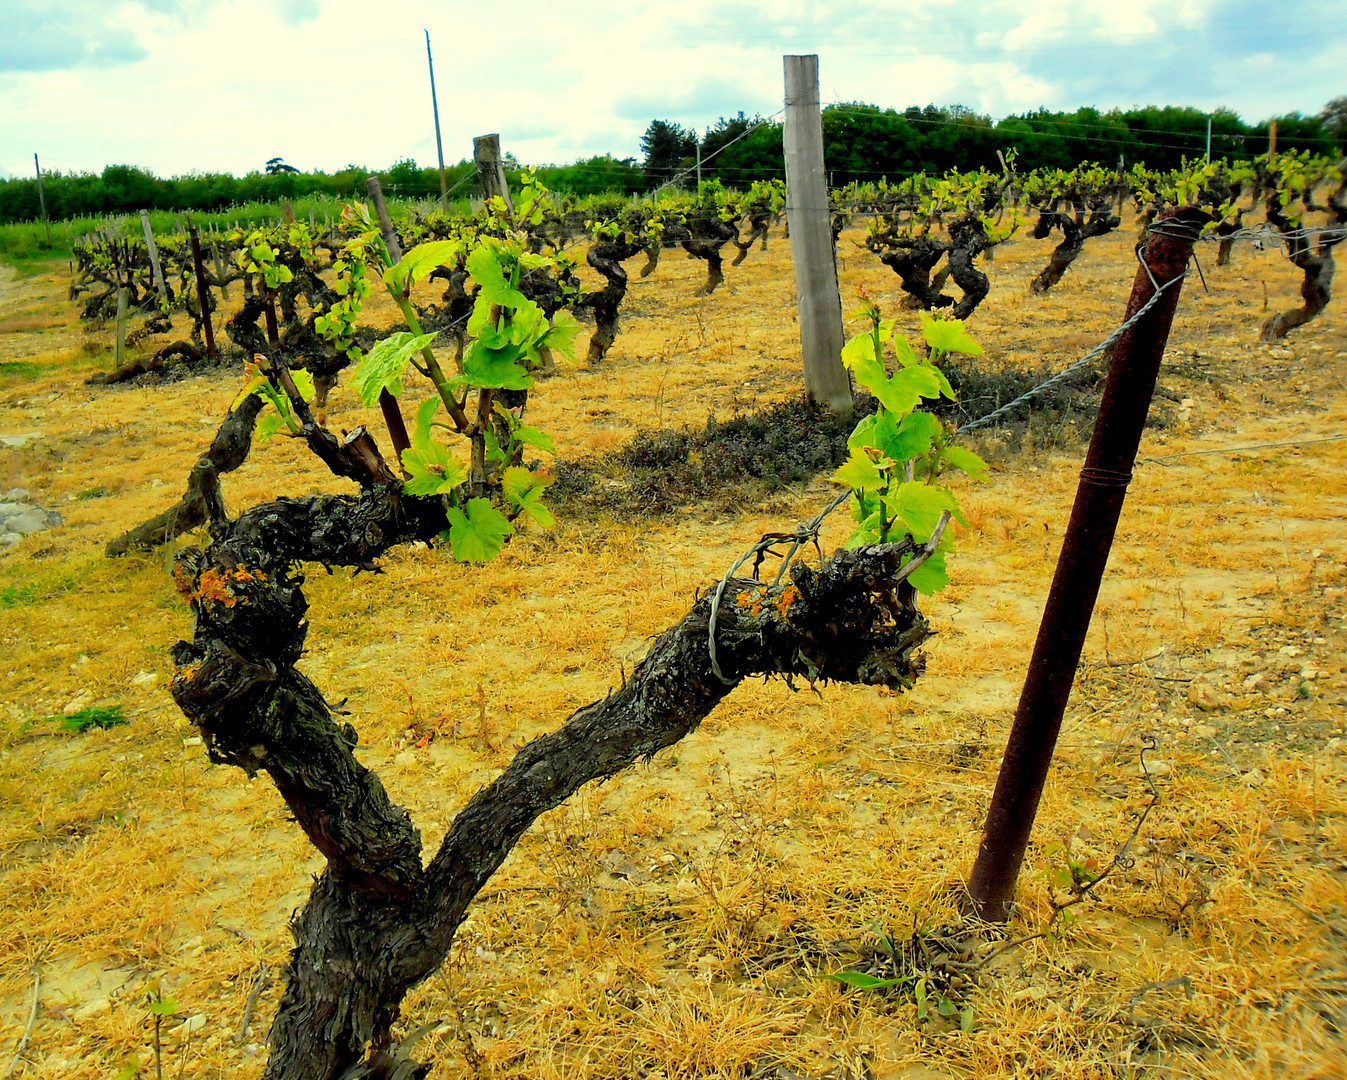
(674, 922)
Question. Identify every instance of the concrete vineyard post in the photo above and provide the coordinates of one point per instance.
(1080, 566)
(811, 240)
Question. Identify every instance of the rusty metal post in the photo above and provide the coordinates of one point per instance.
(202, 291)
(1080, 566)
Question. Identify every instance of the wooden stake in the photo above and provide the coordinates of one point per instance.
(120, 353)
(154, 256)
(811, 241)
(202, 292)
(376, 194)
(42, 201)
(490, 168)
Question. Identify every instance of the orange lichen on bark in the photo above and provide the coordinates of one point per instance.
(753, 600)
(215, 586)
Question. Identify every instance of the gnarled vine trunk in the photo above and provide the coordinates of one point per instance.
(1075, 231)
(377, 923)
(913, 260)
(203, 500)
(715, 235)
(1310, 249)
(606, 257)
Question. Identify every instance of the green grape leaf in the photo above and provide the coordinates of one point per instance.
(531, 436)
(424, 415)
(527, 326)
(907, 356)
(303, 383)
(901, 441)
(946, 390)
(867, 532)
(433, 469)
(382, 367)
(932, 575)
(494, 454)
(904, 392)
(918, 507)
(484, 265)
(419, 263)
(495, 368)
(561, 337)
(948, 335)
(913, 437)
(163, 1006)
(477, 535)
(860, 357)
(860, 471)
(525, 489)
(873, 430)
(966, 460)
(268, 424)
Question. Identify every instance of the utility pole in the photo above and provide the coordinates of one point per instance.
(811, 240)
(42, 201)
(439, 145)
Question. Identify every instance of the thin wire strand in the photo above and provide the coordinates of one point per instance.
(1097, 351)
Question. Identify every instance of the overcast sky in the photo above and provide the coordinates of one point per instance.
(222, 85)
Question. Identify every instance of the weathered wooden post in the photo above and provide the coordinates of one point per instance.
(811, 240)
(491, 168)
(121, 269)
(42, 200)
(202, 291)
(154, 256)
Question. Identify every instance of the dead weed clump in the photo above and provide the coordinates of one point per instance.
(745, 459)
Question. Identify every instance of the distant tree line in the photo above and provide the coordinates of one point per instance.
(866, 142)
(861, 142)
(124, 189)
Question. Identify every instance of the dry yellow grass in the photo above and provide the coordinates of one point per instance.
(673, 922)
